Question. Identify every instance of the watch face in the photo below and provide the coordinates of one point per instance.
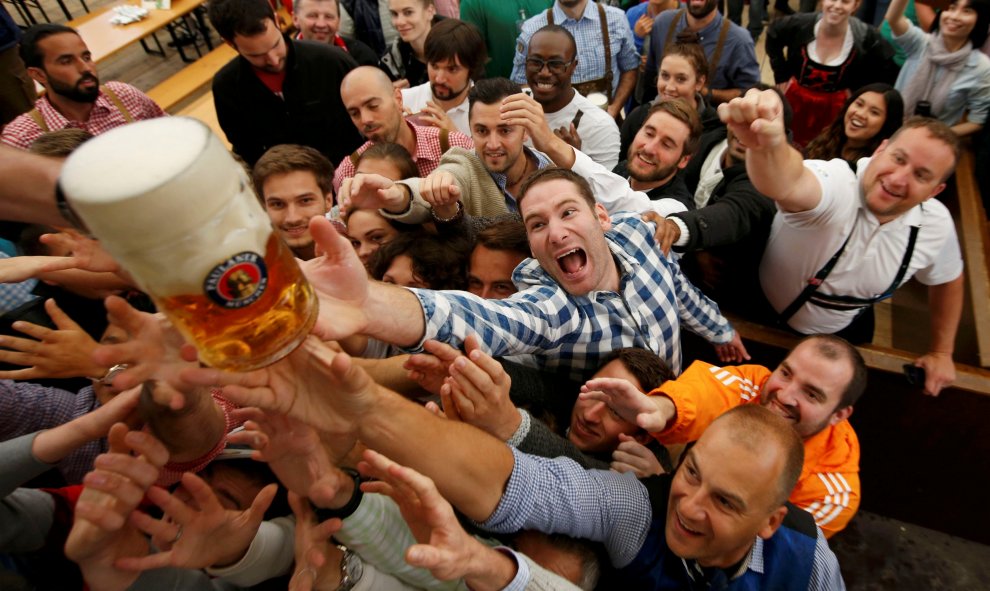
(353, 567)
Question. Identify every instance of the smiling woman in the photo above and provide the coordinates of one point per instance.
(405, 60)
(870, 115)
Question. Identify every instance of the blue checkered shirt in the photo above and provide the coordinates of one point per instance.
(14, 295)
(587, 33)
(571, 332)
(559, 496)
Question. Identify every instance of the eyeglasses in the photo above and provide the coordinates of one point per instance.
(556, 66)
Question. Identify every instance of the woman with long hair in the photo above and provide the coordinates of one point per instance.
(405, 58)
(870, 115)
(945, 75)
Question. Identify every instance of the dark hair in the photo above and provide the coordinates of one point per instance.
(259, 473)
(491, 91)
(553, 173)
(29, 52)
(561, 30)
(835, 348)
(452, 38)
(59, 143)
(394, 153)
(440, 263)
(286, 158)
(937, 130)
(978, 36)
(505, 234)
(645, 365)
(239, 17)
(680, 110)
(832, 139)
(693, 53)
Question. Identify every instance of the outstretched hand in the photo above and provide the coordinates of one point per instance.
(313, 384)
(478, 389)
(340, 281)
(734, 351)
(648, 412)
(63, 352)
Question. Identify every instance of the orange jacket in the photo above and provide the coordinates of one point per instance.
(829, 486)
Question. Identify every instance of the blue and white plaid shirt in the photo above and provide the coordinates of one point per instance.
(587, 33)
(561, 330)
(559, 496)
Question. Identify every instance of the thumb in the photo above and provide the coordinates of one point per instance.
(624, 438)
(424, 556)
(60, 318)
(262, 502)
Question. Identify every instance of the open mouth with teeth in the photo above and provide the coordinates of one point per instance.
(572, 262)
(684, 528)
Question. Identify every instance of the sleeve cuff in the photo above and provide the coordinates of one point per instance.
(685, 236)
(521, 580)
(522, 431)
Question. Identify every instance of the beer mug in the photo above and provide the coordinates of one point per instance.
(172, 206)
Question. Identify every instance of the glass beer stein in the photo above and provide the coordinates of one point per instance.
(172, 206)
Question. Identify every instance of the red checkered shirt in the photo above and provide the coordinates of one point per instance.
(427, 156)
(22, 131)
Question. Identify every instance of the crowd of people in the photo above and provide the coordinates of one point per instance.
(508, 212)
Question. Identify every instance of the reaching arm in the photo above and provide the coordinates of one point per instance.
(946, 302)
(627, 82)
(775, 168)
(31, 198)
(899, 24)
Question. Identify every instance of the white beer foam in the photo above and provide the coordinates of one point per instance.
(167, 200)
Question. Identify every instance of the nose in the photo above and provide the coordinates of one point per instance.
(486, 292)
(558, 232)
(293, 214)
(786, 395)
(272, 58)
(691, 505)
(365, 250)
(492, 142)
(594, 414)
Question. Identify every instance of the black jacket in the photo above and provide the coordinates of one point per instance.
(873, 60)
(731, 229)
(312, 113)
(674, 189)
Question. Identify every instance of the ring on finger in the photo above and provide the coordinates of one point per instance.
(178, 535)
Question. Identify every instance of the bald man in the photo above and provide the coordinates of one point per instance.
(375, 108)
(277, 90)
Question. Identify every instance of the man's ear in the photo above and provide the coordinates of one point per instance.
(603, 218)
(881, 147)
(936, 191)
(328, 199)
(38, 75)
(683, 161)
(774, 521)
(840, 415)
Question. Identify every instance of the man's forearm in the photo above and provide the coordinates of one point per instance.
(724, 95)
(627, 83)
(776, 171)
(32, 197)
(469, 466)
(946, 303)
(188, 433)
(394, 314)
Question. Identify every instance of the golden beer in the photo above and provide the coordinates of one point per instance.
(172, 206)
(254, 335)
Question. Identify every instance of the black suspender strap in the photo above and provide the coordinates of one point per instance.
(838, 302)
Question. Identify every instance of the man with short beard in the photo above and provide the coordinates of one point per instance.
(663, 146)
(455, 58)
(728, 47)
(57, 58)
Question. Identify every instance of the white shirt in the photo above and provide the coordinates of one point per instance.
(801, 243)
(711, 174)
(614, 192)
(415, 99)
(597, 129)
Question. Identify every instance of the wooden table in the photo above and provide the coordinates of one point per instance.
(204, 110)
(105, 39)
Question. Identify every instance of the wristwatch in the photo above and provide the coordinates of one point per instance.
(351, 569)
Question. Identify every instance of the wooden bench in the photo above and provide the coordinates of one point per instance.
(975, 243)
(179, 87)
(202, 108)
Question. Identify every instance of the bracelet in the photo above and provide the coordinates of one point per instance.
(408, 193)
(457, 215)
(348, 509)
